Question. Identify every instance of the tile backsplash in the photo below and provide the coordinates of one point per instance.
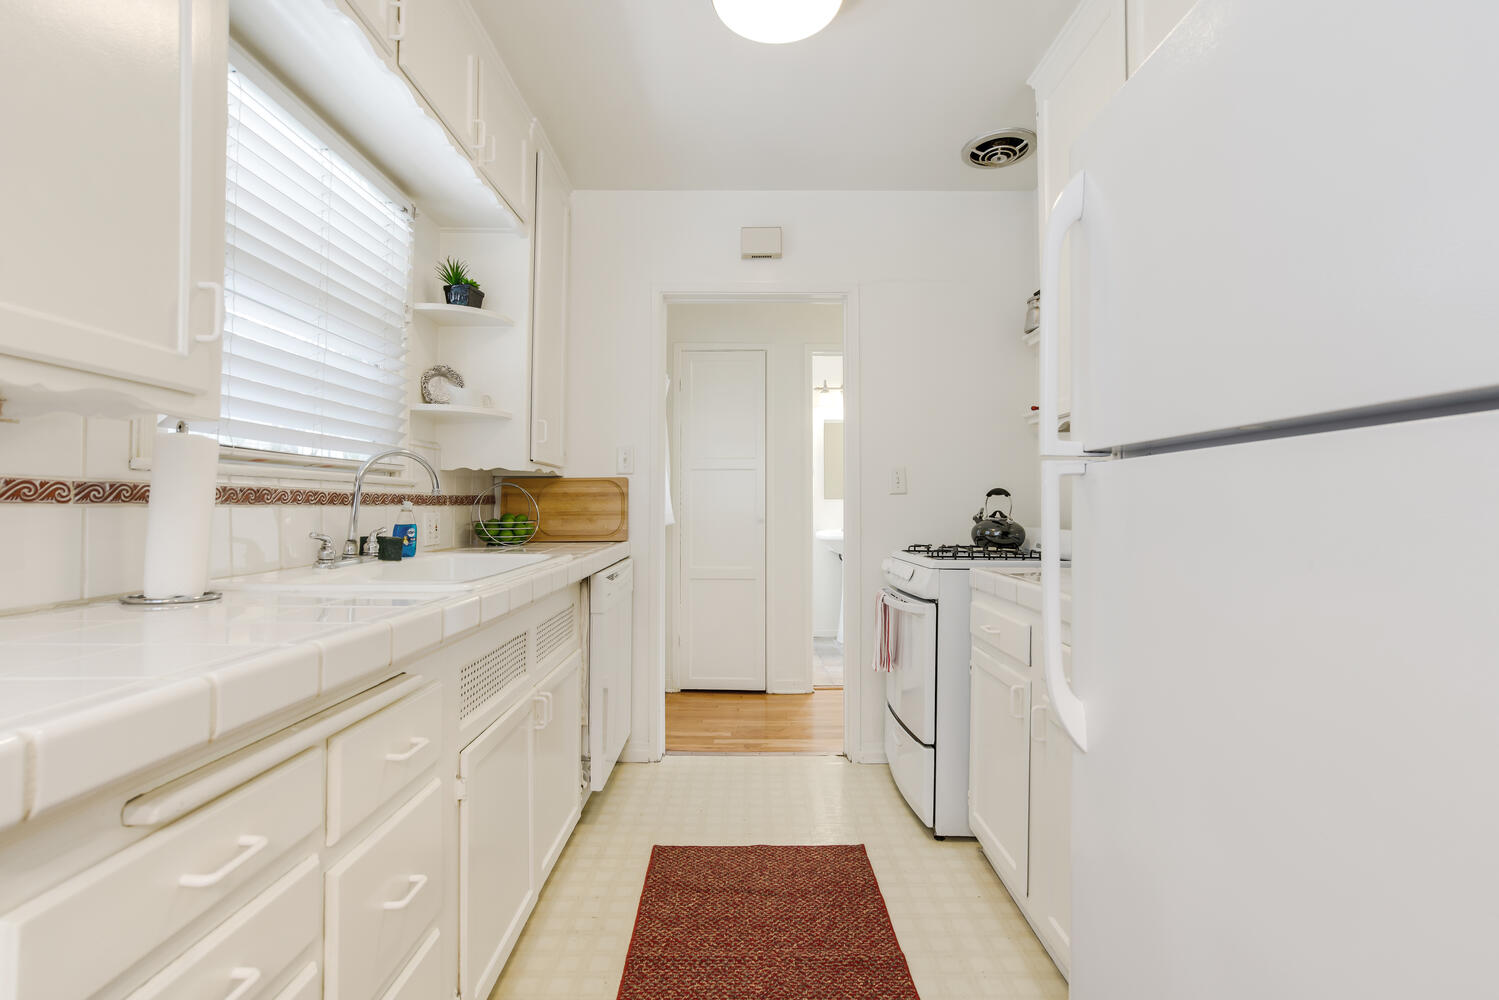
(73, 514)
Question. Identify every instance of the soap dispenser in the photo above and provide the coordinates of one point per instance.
(406, 530)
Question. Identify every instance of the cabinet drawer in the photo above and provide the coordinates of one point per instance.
(305, 985)
(422, 977)
(1006, 631)
(244, 954)
(372, 760)
(383, 896)
(128, 904)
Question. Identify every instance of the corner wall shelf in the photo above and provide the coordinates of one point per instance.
(445, 315)
(456, 411)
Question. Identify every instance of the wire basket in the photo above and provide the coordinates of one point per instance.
(496, 530)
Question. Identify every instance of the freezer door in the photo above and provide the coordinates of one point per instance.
(1288, 212)
(1286, 651)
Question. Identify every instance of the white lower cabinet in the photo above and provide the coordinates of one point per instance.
(372, 760)
(999, 765)
(133, 902)
(250, 950)
(1020, 759)
(558, 797)
(422, 977)
(305, 985)
(1050, 899)
(382, 896)
(495, 887)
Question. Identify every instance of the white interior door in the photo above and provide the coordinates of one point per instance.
(720, 414)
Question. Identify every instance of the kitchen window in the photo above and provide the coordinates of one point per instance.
(317, 279)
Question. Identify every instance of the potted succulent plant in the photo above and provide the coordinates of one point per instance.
(458, 285)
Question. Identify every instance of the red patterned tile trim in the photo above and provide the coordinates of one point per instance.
(100, 491)
(35, 491)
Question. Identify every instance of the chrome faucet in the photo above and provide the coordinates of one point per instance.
(351, 544)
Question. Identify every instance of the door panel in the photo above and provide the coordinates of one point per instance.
(506, 157)
(999, 766)
(559, 763)
(439, 55)
(495, 887)
(1284, 720)
(720, 411)
(1221, 284)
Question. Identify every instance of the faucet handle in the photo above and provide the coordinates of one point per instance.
(372, 543)
(326, 553)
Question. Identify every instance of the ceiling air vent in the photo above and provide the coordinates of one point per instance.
(999, 149)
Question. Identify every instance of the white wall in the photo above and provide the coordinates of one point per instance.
(784, 330)
(939, 281)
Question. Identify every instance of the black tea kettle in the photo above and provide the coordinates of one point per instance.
(996, 530)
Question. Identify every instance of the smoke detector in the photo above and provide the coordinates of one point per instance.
(999, 149)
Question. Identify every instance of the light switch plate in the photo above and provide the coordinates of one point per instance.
(624, 460)
(898, 480)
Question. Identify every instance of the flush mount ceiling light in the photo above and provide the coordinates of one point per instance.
(776, 21)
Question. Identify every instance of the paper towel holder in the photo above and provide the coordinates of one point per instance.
(141, 600)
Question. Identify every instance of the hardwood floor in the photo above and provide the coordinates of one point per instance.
(733, 722)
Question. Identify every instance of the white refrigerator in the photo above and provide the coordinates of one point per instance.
(1284, 468)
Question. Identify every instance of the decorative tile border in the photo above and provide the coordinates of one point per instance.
(14, 490)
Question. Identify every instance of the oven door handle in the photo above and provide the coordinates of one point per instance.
(919, 609)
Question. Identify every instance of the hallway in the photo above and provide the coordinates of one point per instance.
(748, 722)
(962, 936)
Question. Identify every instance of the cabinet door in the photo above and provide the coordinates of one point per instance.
(438, 51)
(1051, 828)
(559, 761)
(495, 887)
(1084, 68)
(381, 21)
(114, 165)
(999, 766)
(505, 147)
(1150, 21)
(549, 249)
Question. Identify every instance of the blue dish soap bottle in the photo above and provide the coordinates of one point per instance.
(406, 531)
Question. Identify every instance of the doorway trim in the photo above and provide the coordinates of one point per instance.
(846, 294)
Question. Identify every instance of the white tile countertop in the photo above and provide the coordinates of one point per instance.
(92, 693)
(1021, 586)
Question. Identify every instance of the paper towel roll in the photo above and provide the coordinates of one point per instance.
(179, 516)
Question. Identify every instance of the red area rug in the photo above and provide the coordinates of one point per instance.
(768, 923)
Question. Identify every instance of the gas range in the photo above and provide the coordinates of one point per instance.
(962, 557)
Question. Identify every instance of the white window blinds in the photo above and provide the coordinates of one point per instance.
(317, 268)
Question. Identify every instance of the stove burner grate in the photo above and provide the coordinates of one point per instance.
(968, 552)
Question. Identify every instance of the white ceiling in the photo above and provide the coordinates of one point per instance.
(658, 94)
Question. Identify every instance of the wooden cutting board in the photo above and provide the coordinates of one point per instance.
(574, 510)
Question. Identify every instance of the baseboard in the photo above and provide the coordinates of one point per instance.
(873, 754)
(634, 753)
(825, 633)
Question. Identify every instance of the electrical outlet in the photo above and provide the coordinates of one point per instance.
(431, 529)
(624, 460)
(898, 480)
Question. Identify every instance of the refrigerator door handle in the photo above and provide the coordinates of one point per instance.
(1067, 212)
(1069, 708)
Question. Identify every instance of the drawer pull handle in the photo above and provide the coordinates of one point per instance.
(418, 883)
(249, 844)
(992, 630)
(1038, 733)
(1017, 689)
(418, 744)
(246, 977)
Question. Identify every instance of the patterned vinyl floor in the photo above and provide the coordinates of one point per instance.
(961, 934)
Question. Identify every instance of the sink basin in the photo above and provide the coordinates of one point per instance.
(832, 538)
(439, 572)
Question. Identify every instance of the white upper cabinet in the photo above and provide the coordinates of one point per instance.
(1080, 73)
(1150, 21)
(505, 152)
(439, 53)
(112, 263)
(549, 280)
(382, 22)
